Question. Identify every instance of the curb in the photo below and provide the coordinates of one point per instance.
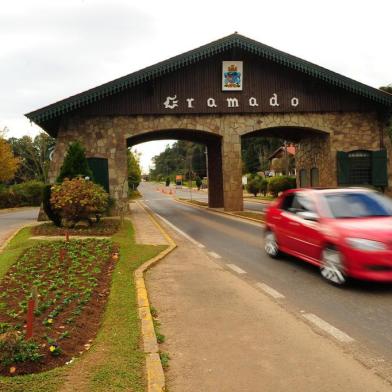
(219, 212)
(154, 369)
(16, 209)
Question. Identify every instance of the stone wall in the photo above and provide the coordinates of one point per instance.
(105, 137)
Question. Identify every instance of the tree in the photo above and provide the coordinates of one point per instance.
(34, 156)
(177, 158)
(255, 152)
(134, 170)
(75, 163)
(8, 163)
(387, 89)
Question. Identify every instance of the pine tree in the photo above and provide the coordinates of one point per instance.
(75, 163)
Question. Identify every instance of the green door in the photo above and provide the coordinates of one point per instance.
(99, 167)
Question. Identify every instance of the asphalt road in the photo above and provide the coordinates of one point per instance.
(10, 221)
(185, 193)
(363, 310)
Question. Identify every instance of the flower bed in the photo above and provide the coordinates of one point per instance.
(72, 280)
(105, 227)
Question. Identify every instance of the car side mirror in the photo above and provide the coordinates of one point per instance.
(308, 215)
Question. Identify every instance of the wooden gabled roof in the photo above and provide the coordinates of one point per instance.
(50, 113)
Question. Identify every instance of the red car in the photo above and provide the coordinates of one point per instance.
(345, 232)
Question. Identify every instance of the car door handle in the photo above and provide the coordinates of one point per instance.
(277, 217)
(294, 223)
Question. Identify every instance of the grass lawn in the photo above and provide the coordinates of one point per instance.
(115, 361)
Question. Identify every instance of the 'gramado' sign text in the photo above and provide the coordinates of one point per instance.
(173, 102)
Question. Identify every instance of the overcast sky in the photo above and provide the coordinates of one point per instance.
(51, 49)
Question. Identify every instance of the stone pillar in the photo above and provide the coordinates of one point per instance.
(232, 170)
(314, 151)
(215, 179)
(117, 162)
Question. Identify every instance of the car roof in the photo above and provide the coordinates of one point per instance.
(331, 190)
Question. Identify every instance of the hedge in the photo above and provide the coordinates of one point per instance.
(19, 195)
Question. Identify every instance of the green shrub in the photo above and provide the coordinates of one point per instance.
(167, 181)
(52, 215)
(25, 194)
(253, 186)
(29, 192)
(14, 348)
(78, 199)
(263, 186)
(198, 182)
(280, 184)
(75, 163)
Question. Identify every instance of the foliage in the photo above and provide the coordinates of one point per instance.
(78, 199)
(34, 156)
(167, 182)
(181, 158)
(281, 165)
(253, 186)
(75, 163)
(25, 194)
(280, 184)
(134, 170)
(255, 152)
(387, 89)
(257, 184)
(8, 163)
(198, 182)
(66, 276)
(14, 348)
(52, 215)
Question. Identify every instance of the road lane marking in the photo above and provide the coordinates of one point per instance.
(269, 290)
(335, 332)
(180, 231)
(215, 255)
(236, 269)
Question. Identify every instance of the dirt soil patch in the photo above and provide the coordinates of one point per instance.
(73, 282)
(105, 227)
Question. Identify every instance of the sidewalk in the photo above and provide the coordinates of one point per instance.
(222, 334)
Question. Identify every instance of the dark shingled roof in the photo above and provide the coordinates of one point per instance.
(49, 113)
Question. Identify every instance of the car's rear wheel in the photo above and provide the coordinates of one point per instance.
(331, 267)
(270, 244)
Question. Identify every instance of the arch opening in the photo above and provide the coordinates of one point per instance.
(297, 151)
(210, 169)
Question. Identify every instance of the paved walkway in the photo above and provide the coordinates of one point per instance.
(223, 334)
(146, 232)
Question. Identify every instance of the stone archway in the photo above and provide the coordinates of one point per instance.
(106, 137)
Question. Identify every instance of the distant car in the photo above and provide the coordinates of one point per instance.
(345, 232)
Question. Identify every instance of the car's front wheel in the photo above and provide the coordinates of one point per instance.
(331, 267)
(270, 244)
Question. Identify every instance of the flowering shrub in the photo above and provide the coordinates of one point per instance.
(78, 199)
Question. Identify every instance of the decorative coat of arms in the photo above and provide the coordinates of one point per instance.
(232, 76)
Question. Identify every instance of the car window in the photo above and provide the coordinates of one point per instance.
(287, 202)
(296, 202)
(358, 205)
(303, 203)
